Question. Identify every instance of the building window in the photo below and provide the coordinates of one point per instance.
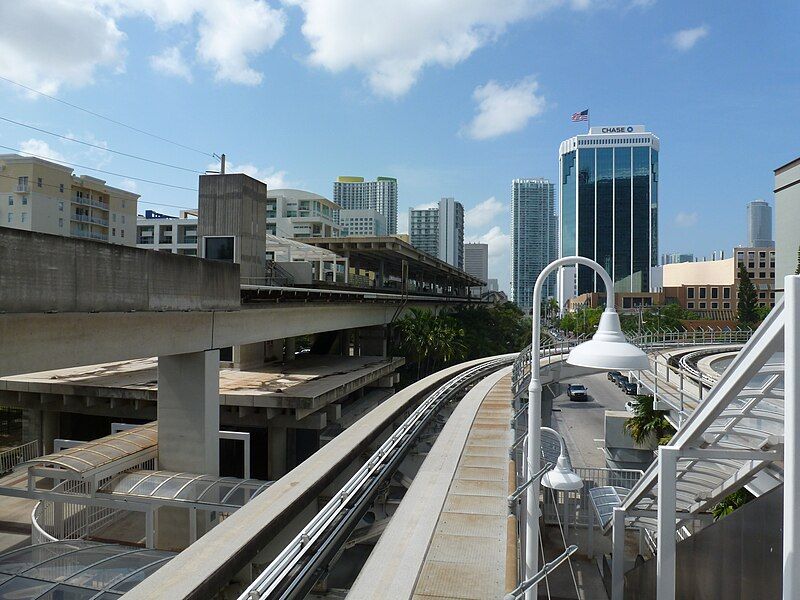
(726, 305)
(11, 200)
(715, 292)
(61, 206)
(122, 233)
(24, 201)
(762, 275)
(113, 231)
(10, 217)
(702, 305)
(702, 292)
(690, 305)
(123, 219)
(23, 217)
(114, 217)
(38, 182)
(61, 222)
(714, 305)
(61, 187)
(761, 295)
(726, 293)
(690, 292)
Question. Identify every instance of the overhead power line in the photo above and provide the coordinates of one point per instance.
(109, 119)
(161, 183)
(77, 141)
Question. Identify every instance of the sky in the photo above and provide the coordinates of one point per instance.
(451, 97)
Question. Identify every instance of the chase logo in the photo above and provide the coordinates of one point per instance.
(627, 129)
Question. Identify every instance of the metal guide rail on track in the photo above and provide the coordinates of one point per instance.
(295, 570)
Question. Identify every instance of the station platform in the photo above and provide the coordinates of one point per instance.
(449, 537)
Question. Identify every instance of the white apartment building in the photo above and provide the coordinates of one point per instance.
(353, 193)
(301, 214)
(165, 233)
(439, 231)
(46, 197)
(362, 223)
(787, 217)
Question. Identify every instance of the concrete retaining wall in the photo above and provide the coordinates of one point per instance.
(50, 273)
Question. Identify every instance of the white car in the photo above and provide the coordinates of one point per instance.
(630, 406)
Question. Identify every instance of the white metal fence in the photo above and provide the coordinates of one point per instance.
(11, 457)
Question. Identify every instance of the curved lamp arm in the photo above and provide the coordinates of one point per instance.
(563, 451)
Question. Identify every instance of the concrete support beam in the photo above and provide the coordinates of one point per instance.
(248, 356)
(51, 429)
(276, 452)
(289, 348)
(665, 565)
(617, 554)
(188, 412)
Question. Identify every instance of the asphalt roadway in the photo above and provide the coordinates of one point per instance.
(583, 423)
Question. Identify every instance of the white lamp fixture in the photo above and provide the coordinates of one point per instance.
(561, 477)
(608, 349)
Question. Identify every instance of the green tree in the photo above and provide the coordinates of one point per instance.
(730, 503)
(430, 340)
(497, 329)
(648, 423)
(747, 300)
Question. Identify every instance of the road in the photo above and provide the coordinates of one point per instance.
(583, 423)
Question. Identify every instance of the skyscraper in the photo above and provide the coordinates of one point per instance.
(380, 195)
(439, 231)
(608, 203)
(534, 237)
(759, 225)
(476, 260)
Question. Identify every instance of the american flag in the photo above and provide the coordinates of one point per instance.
(581, 116)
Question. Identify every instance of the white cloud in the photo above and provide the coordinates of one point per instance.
(499, 253)
(47, 44)
(41, 149)
(685, 39)
(171, 62)
(274, 178)
(484, 213)
(684, 219)
(392, 41)
(504, 110)
(426, 206)
(130, 185)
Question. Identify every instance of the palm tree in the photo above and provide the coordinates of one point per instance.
(431, 339)
(648, 423)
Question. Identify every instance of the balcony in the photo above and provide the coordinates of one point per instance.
(91, 235)
(89, 219)
(189, 239)
(90, 202)
(145, 240)
(22, 188)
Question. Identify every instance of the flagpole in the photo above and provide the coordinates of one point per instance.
(588, 121)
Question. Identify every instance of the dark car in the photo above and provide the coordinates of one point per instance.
(612, 374)
(616, 376)
(621, 380)
(630, 388)
(577, 392)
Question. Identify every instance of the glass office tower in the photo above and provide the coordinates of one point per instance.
(608, 207)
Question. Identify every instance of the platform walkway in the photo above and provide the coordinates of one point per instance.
(448, 538)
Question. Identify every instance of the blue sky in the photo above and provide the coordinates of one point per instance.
(452, 97)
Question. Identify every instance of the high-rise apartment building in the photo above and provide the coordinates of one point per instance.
(44, 196)
(380, 195)
(608, 205)
(476, 260)
(534, 237)
(439, 231)
(759, 224)
(362, 223)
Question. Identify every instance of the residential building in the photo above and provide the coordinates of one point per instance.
(301, 214)
(787, 217)
(676, 257)
(44, 196)
(759, 225)
(423, 229)
(362, 223)
(760, 265)
(534, 238)
(353, 193)
(451, 232)
(608, 203)
(439, 231)
(155, 231)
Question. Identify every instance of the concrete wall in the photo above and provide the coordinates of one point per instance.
(49, 273)
(787, 217)
(709, 272)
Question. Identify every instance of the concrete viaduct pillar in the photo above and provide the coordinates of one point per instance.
(188, 412)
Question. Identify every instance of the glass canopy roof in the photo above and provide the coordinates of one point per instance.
(103, 451)
(228, 492)
(76, 570)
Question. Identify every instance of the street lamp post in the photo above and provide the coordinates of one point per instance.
(607, 350)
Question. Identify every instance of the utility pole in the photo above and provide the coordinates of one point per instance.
(222, 165)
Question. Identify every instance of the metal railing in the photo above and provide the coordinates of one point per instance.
(22, 188)
(294, 566)
(11, 457)
(89, 219)
(92, 235)
(664, 338)
(550, 349)
(90, 202)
